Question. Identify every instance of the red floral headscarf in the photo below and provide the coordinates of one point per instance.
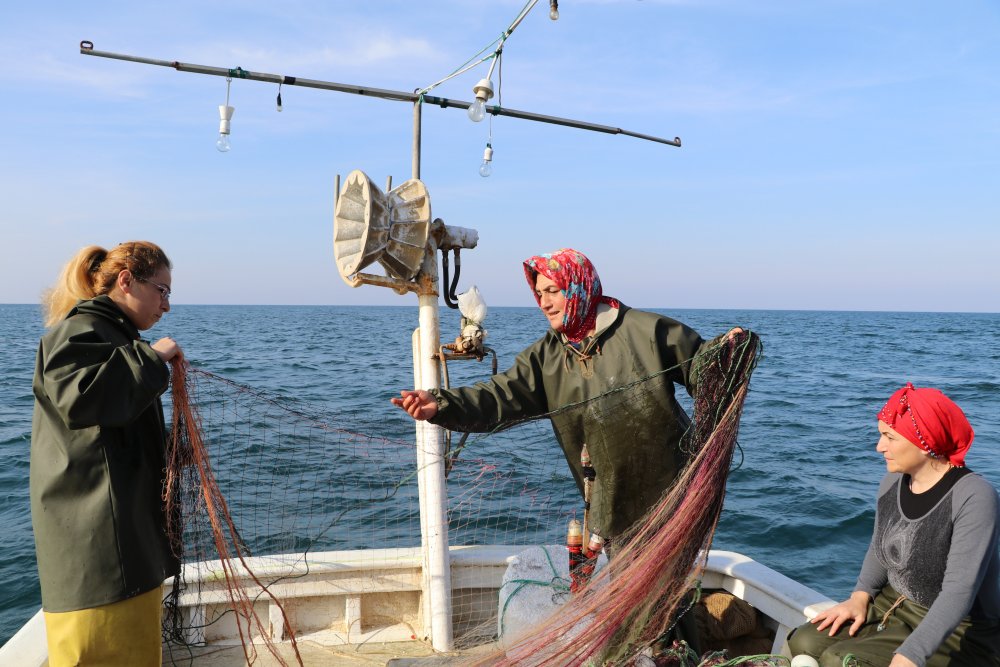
(580, 284)
(930, 420)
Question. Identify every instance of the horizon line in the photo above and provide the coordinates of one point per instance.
(444, 308)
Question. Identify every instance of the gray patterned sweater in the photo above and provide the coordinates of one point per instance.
(945, 560)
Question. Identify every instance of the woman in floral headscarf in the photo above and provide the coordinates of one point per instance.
(929, 588)
(595, 345)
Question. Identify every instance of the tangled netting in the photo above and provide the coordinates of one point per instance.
(681, 655)
(189, 471)
(626, 607)
(264, 492)
(275, 492)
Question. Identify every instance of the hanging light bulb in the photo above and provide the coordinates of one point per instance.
(483, 91)
(486, 168)
(554, 10)
(225, 115)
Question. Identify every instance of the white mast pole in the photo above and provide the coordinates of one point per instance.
(433, 487)
(430, 448)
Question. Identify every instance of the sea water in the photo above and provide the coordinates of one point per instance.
(800, 498)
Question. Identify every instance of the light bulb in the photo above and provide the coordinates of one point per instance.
(225, 115)
(554, 10)
(483, 91)
(486, 168)
(477, 111)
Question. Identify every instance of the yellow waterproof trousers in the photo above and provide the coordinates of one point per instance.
(121, 634)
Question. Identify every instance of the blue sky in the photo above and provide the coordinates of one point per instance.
(836, 154)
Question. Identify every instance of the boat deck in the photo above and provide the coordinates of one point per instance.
(392, 654)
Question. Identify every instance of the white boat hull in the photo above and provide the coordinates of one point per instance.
(356, 597)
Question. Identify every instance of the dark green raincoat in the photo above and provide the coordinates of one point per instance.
(97, 461)
(633, 436)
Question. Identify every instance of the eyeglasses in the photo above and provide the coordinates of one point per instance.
(162, 289)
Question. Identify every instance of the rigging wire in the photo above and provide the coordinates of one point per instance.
(498, 42)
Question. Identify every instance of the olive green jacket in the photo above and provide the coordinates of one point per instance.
(632, 435)
(97, 461)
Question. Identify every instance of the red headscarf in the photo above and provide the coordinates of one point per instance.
(580, 284)
(930, 420)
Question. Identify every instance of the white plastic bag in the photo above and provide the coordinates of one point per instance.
(472, 306)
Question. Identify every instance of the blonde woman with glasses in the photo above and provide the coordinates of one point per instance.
(97, 457)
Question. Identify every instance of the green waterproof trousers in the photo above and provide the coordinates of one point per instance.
(872, 647)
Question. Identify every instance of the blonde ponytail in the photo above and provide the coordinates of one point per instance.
(75, 283)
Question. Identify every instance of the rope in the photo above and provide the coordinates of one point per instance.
(761, 658)
(885, 617)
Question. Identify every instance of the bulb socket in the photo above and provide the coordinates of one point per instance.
(483, 90)
(225, 114)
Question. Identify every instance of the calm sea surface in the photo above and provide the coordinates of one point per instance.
(801, 501)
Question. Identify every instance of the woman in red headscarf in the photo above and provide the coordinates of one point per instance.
(595, 347)
(929, 588)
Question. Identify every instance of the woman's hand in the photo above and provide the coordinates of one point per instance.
(419, 404)
(854, 609)
(167, 348)
(901, 661)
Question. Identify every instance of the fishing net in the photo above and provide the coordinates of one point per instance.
(626, 607)
(194, 503)
(303, 503)
(294, 524)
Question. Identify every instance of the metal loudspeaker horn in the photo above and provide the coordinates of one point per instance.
(390, 228)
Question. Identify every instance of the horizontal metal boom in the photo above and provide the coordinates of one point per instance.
(87, 49)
